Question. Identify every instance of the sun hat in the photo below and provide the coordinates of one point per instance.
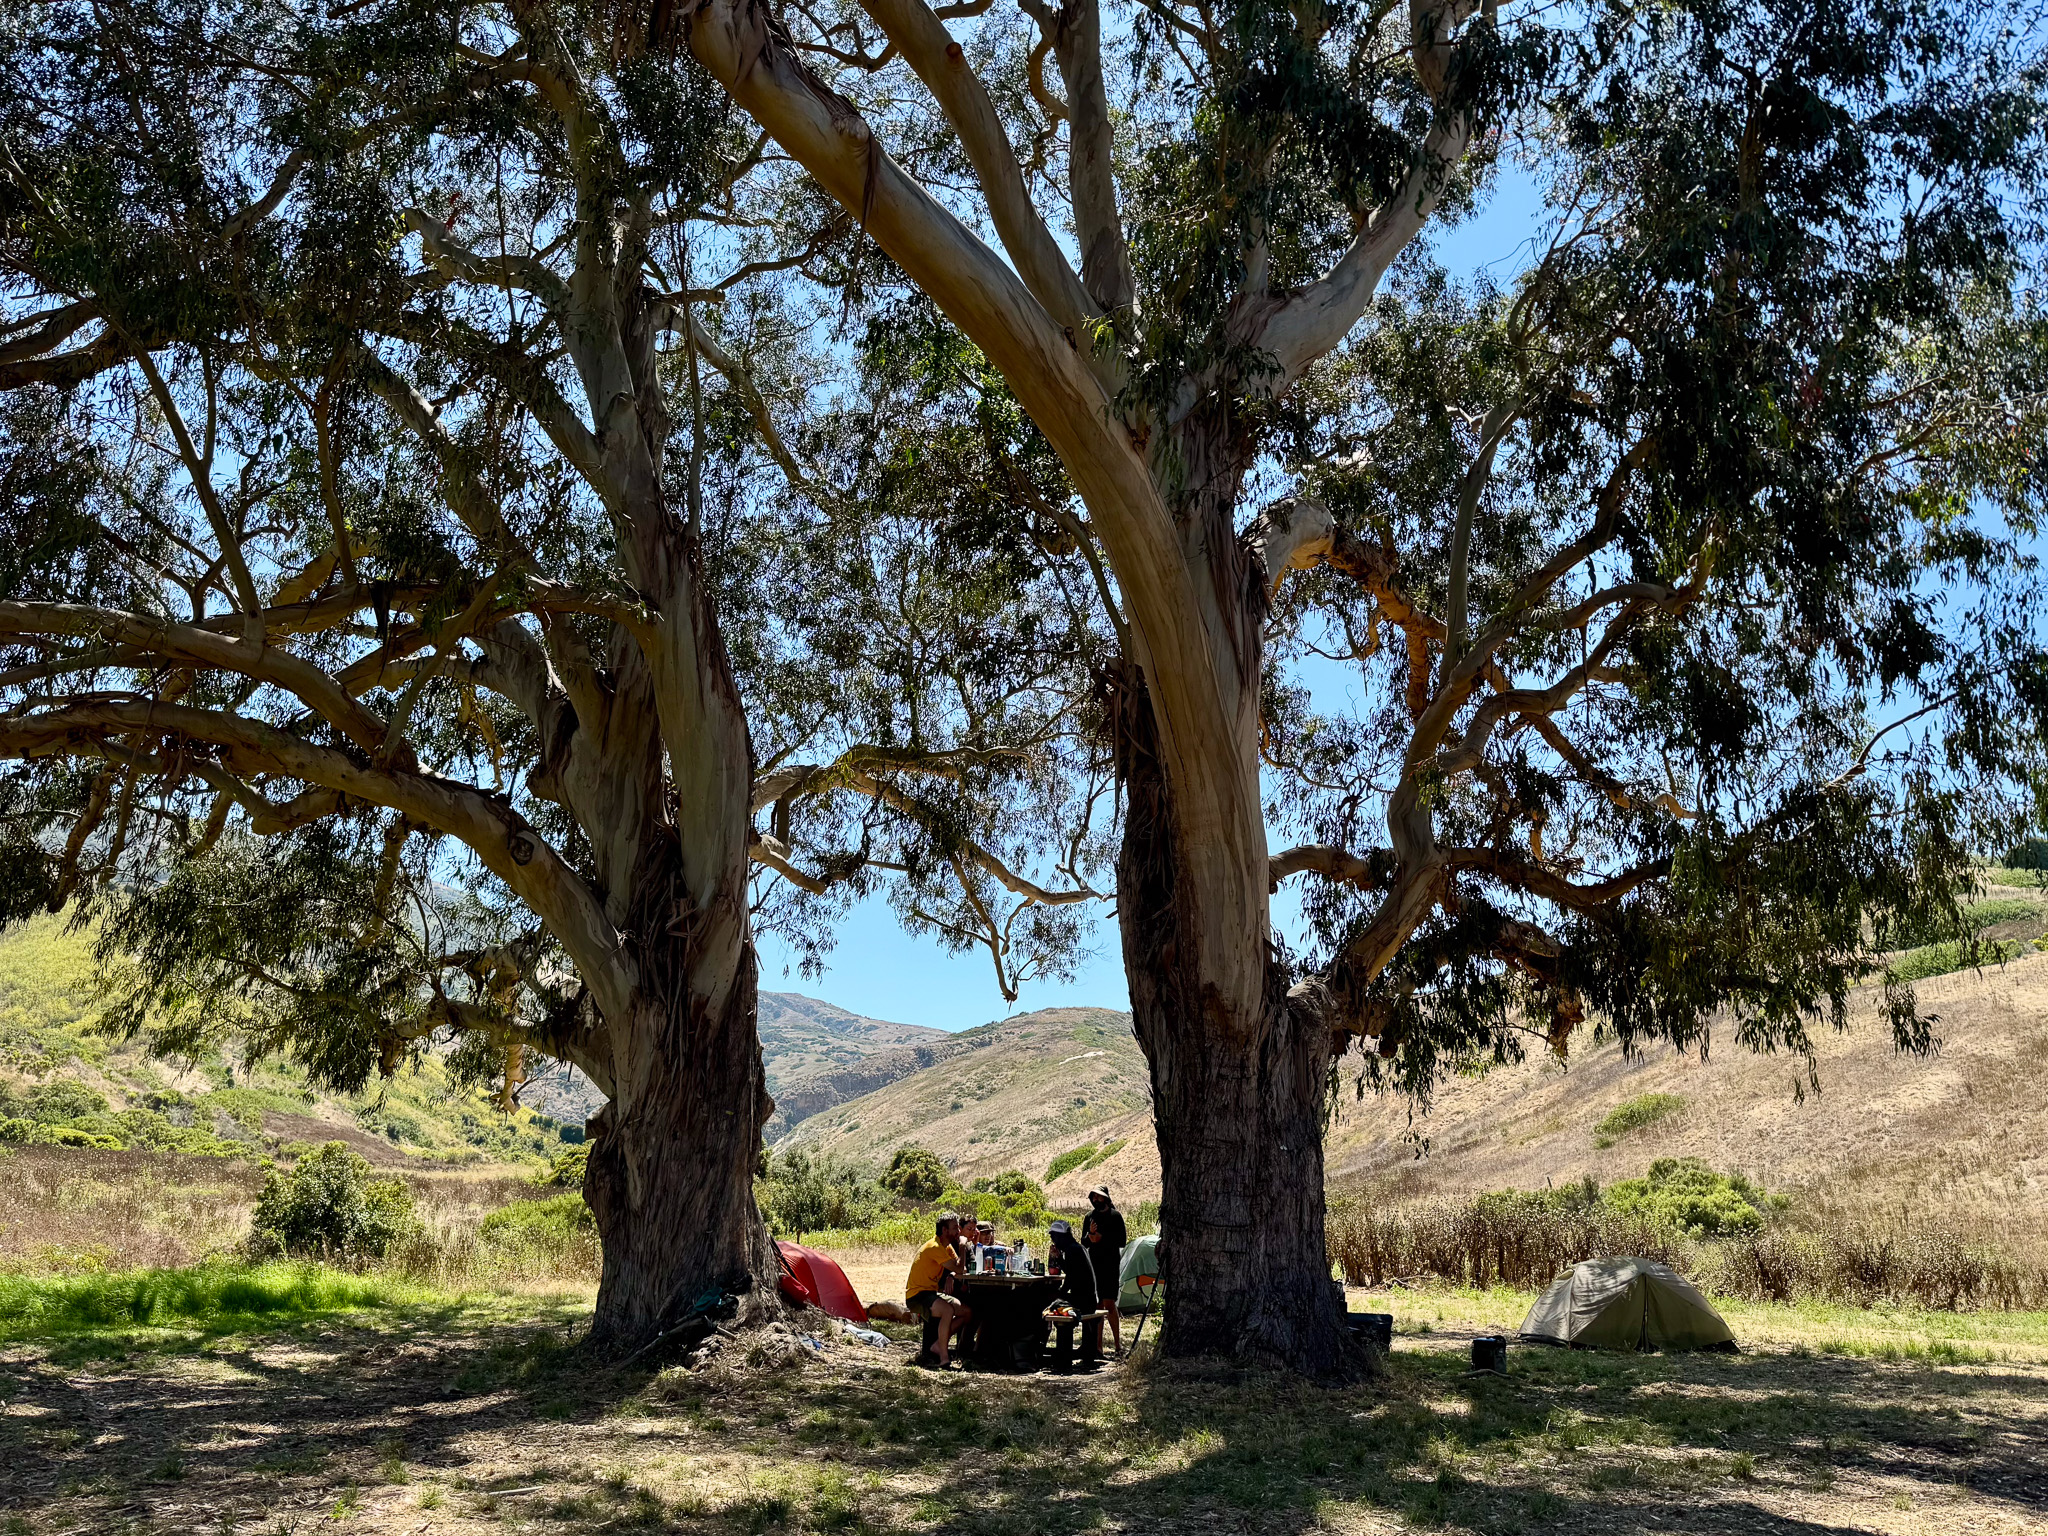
(1100, 1189)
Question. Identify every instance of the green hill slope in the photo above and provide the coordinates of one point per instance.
(47, 1004)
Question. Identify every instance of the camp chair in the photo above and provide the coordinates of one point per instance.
(1146, 1285)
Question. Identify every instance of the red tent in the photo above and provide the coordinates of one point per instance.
(810, 1276)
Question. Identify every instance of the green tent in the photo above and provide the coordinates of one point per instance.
(1141, 1257)
(1625, 1304)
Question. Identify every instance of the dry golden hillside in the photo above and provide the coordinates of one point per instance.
(1013, 1094)
(1964, 1132)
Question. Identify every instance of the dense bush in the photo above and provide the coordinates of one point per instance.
(1068, 1161)
(1941, 959)
(1014, 1201)
(331, 1205)
(916, 1173)
(567, 1171)
(1684, 1193)
(558, 1235)
(799, 1193)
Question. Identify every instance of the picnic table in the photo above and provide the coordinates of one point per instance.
(1009, 1318)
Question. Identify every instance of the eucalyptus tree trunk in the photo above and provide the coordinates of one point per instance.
(1238, 1075)
(671, 1169)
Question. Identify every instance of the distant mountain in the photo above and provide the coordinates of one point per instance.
(1013, 1094)
(818, 1055)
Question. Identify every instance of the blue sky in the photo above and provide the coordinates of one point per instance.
(878, 970)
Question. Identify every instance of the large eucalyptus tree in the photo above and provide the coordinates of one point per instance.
(381, 489)
(1625, 555)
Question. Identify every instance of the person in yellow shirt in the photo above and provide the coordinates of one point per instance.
(925, 1295)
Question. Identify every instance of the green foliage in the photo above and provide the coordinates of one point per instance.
(1066, 1162)
(2004, 909)
(221, 1298)
(541, 1233)
(1684, 1194)
(1943, 959)
(1014, 1201)
(916, 1173)
(798, 1192)
(2029, 853)
(1087, 1156)
(331, 1204)
(1633, 1114)
(567, 1171)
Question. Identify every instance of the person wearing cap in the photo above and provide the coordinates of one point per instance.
(1104, 1238)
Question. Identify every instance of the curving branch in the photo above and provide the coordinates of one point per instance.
(497, 834)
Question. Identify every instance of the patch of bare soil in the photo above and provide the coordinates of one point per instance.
(453, 1424)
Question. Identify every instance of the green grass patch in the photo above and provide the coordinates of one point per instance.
(213, 1299)
(1943, 959)
(1067, 1162)
(1633, 1114)
(2000, 909)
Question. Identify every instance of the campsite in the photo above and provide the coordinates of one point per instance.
(780, 766)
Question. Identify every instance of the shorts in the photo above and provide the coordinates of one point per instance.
(921, 1303)
(1104, 1262)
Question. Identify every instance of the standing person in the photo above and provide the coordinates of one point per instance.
(1105, 1245)
(936, 1266)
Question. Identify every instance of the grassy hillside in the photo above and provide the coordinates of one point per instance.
(1014, 1094)
(47, 1006)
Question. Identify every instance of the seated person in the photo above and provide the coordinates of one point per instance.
(1077, 1275)
(933, 1270)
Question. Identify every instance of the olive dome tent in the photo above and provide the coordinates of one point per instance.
(1625, 1304)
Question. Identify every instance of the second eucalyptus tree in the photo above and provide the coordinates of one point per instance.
(1697, 493)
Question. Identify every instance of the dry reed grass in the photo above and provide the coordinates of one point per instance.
(1861, 1258)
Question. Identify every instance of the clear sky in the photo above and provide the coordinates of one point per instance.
(878, 970)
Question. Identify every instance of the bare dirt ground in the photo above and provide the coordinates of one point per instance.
(475, 1418)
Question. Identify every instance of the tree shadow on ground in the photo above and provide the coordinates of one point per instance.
(447, 1413)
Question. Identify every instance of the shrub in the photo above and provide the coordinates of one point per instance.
(332, 1205)
(1942, 959)
(1014, 1201)
(917, 1174)
(557, 1234)
(798, 1193)
(1108, 1150)
(51, 1103)
(1633, 1114)
(567, 1171)
(1684, 1193)
(1067, 1162)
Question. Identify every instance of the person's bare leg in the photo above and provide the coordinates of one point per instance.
(1116, 1331)
(945, 1316)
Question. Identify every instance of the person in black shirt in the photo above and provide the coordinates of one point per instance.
(1105, 1238)
(1077, 1275)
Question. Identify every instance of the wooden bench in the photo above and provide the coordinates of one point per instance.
(1091, 1338)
